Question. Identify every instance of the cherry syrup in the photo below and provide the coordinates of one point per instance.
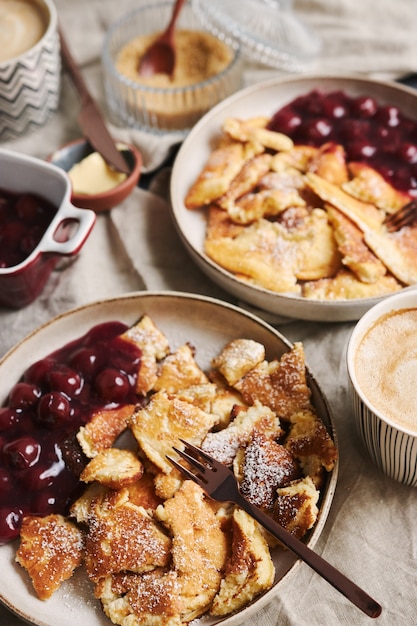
(45, 409)
(379, 135)
(24, 218)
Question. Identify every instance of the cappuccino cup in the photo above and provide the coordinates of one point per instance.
(30, 65)
(382, 369)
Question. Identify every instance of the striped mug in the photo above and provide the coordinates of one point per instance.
(382, 369)
(30, 65)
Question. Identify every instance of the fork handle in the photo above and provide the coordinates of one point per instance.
(338, 580)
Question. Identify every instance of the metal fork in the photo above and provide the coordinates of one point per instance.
(405, 216)
(220, 484)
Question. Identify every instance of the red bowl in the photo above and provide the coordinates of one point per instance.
(65, 235)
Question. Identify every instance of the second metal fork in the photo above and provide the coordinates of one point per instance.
(405, 216)
(220, 483)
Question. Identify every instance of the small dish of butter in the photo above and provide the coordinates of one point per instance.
(95, 184)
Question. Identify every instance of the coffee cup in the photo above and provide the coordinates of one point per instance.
(382, 369)
(30, 65)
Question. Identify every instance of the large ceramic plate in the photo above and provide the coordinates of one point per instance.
(264, 99)
(208, 324)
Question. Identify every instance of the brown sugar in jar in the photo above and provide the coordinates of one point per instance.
(199, 57)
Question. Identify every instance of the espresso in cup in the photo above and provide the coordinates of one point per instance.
(22, 24)
(386, 367)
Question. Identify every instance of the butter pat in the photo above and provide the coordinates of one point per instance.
(92, 176)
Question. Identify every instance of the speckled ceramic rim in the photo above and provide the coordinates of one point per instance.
(392, 448)
(30, 82)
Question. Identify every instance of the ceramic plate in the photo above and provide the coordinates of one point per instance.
(265, 99)
(208, 324)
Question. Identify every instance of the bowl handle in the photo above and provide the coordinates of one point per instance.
(84, 219)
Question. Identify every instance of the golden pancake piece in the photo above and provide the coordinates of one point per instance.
(398, 251)
(224, 444)
(51, 548)
(199, 546)
(114, 468)
(368, 185)
(160, 425)
(222, 166)
(122, 536)
(281, 385)
(310, 443)
(363, 214)
(295, 507)
(237, 358)
(249, 572)
(356, 254)
(330, 163)
(346, 286)
(103, 429)
(179, 370)
(154, 347)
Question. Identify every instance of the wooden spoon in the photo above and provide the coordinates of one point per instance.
(159, 58)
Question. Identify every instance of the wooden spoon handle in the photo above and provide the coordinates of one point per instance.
(175, 13)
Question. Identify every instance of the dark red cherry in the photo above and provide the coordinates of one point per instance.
(8, 418)
(10, 523)
(39, 477)
(360, 150)
(13, 232)
(388, 115)
(408, 152)
(364, 106)
(43, 503)
(316, 130)
(54, 409)
(351, 129)
(22, 453)
(85, 361)
(65, 380)
(112, 385)
(6, 482)
(38, 373)
(31, 239)
(27, 207)
(335, 106)
(24, 395)
(286, 121)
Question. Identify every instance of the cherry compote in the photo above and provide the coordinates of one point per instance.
(45, 409)
(24, 218)
(372, 133)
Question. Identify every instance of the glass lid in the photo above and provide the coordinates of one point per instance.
(268, 31)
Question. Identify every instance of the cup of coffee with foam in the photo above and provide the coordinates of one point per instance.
(30, 65)
(382, 368)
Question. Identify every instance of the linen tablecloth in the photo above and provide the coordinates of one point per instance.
(371, 533)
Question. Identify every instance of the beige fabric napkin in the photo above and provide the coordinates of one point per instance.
(370, 533)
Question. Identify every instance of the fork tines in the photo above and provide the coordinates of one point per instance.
(405, 216)
(193, 461)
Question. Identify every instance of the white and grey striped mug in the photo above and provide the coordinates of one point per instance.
(382, 369)
(30, 66)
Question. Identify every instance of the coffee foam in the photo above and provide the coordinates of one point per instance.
(22, 25)
(386, 367)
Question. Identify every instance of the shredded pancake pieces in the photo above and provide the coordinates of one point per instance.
(300, 220)
(156, 549)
